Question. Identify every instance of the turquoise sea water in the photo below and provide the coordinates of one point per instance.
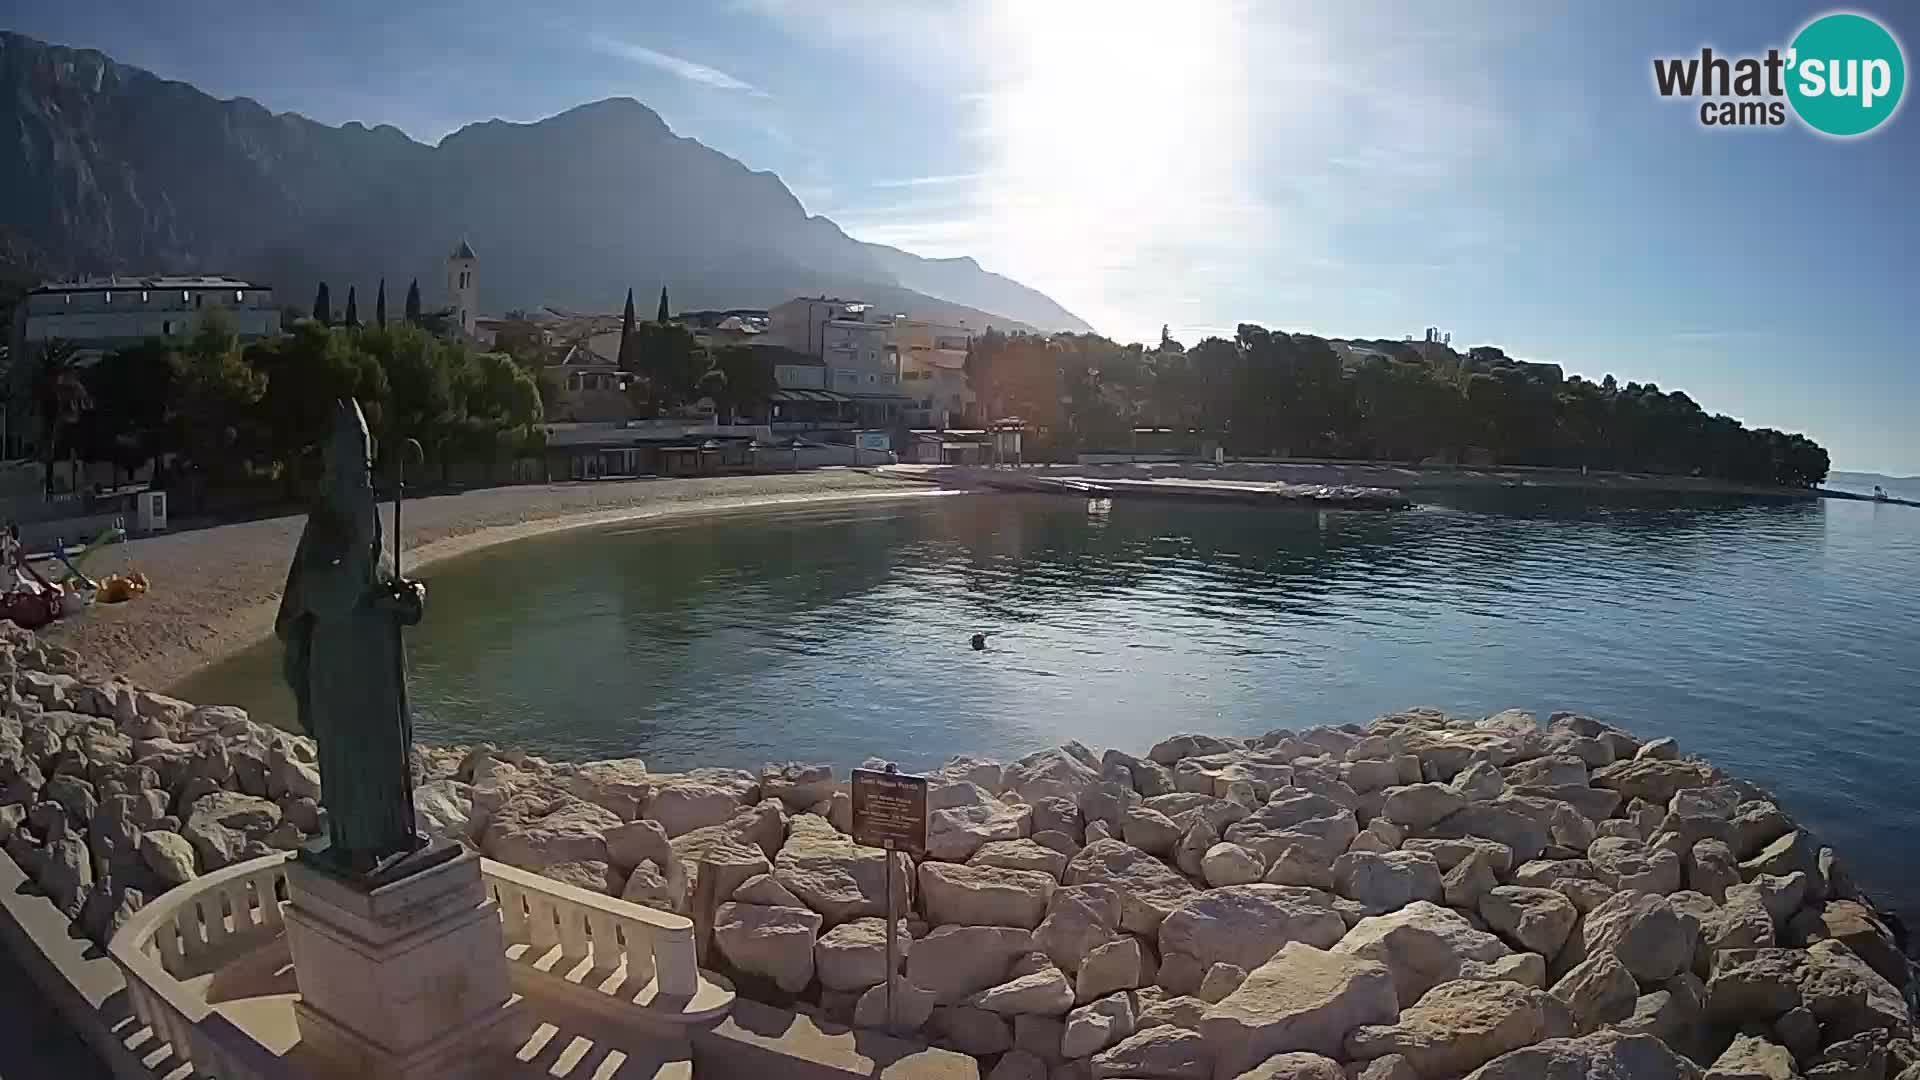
(1779, 639)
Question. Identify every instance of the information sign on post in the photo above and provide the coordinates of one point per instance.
(890, 812)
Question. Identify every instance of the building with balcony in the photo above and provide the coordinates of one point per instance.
(933, 372)
(586, 385)
(855, 348)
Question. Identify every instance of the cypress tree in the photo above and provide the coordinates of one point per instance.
(380, 304)
(353, 308)
(323, 306)
(413, 301)
(629, 344)
(663, 315)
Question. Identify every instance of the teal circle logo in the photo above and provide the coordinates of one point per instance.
(1845, 74)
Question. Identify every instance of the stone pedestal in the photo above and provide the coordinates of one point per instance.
(406, 980)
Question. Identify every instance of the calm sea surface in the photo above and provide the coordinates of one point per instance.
(1781, 640)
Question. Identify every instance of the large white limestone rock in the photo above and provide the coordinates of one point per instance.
(1653, 939)
(1598, 990)
(1121, 964)
(1462, 1025)
(689, 805)
(1418, 806)
(1304, 998)
(1045, 992)
(1538, 920)
(1097, 1025)
(1149, 889)
(1424, 945)
(1023, 854)
(775, 942)
(853, 955)
(1248, 924)
(537, 829)
(1606, 1054)
(962, 818)
(954, 962)
(953, 894)
(1080, 918)
(1160, 1053)
(1387, 880)
(621, 785)
(1230, 864)
(835, 878)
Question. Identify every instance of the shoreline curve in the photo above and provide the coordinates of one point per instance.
(215, 590)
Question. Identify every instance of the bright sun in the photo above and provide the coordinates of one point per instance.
(1114, 128)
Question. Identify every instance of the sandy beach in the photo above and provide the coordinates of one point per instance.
(215, 590)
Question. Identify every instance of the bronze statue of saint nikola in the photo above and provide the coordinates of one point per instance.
(340, 618)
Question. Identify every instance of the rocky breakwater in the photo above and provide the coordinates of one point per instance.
(111, 794)
(1417, 898)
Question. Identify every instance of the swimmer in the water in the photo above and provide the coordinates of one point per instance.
(979, 642)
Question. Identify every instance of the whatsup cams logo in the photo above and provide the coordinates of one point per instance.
(1843, 75)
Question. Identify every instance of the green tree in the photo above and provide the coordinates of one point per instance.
(667, 364)
(306, 371)
(130, 390)
(215, 391)
(497, 405)
(380, 304)
(746, 380)
(662, 315)
(353, 308)
(322, 305)
(420, 371)
(60, 398)
(628, 357)
(413, 301)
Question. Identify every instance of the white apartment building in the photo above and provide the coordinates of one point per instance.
(100, 314)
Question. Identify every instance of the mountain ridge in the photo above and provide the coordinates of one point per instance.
(120, 170)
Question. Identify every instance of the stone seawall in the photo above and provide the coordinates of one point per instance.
(1417, 898)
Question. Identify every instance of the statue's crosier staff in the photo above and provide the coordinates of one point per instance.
(404, 449)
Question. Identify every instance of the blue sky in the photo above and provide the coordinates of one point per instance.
(1502, 171)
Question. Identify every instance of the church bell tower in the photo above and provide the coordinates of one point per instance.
(463, 288)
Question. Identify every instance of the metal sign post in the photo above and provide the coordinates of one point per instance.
(890, 813)
(893, 947)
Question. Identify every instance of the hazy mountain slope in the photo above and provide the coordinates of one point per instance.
(106, 167)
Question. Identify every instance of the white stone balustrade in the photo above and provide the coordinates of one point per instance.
(630, 964)
(621, 958)
(187, 932)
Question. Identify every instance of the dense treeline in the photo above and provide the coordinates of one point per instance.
(1273, 393)
(231, 410)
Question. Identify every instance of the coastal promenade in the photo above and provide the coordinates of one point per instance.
(215, 590)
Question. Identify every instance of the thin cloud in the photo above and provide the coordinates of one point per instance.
(928, 181)
(673, 65)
